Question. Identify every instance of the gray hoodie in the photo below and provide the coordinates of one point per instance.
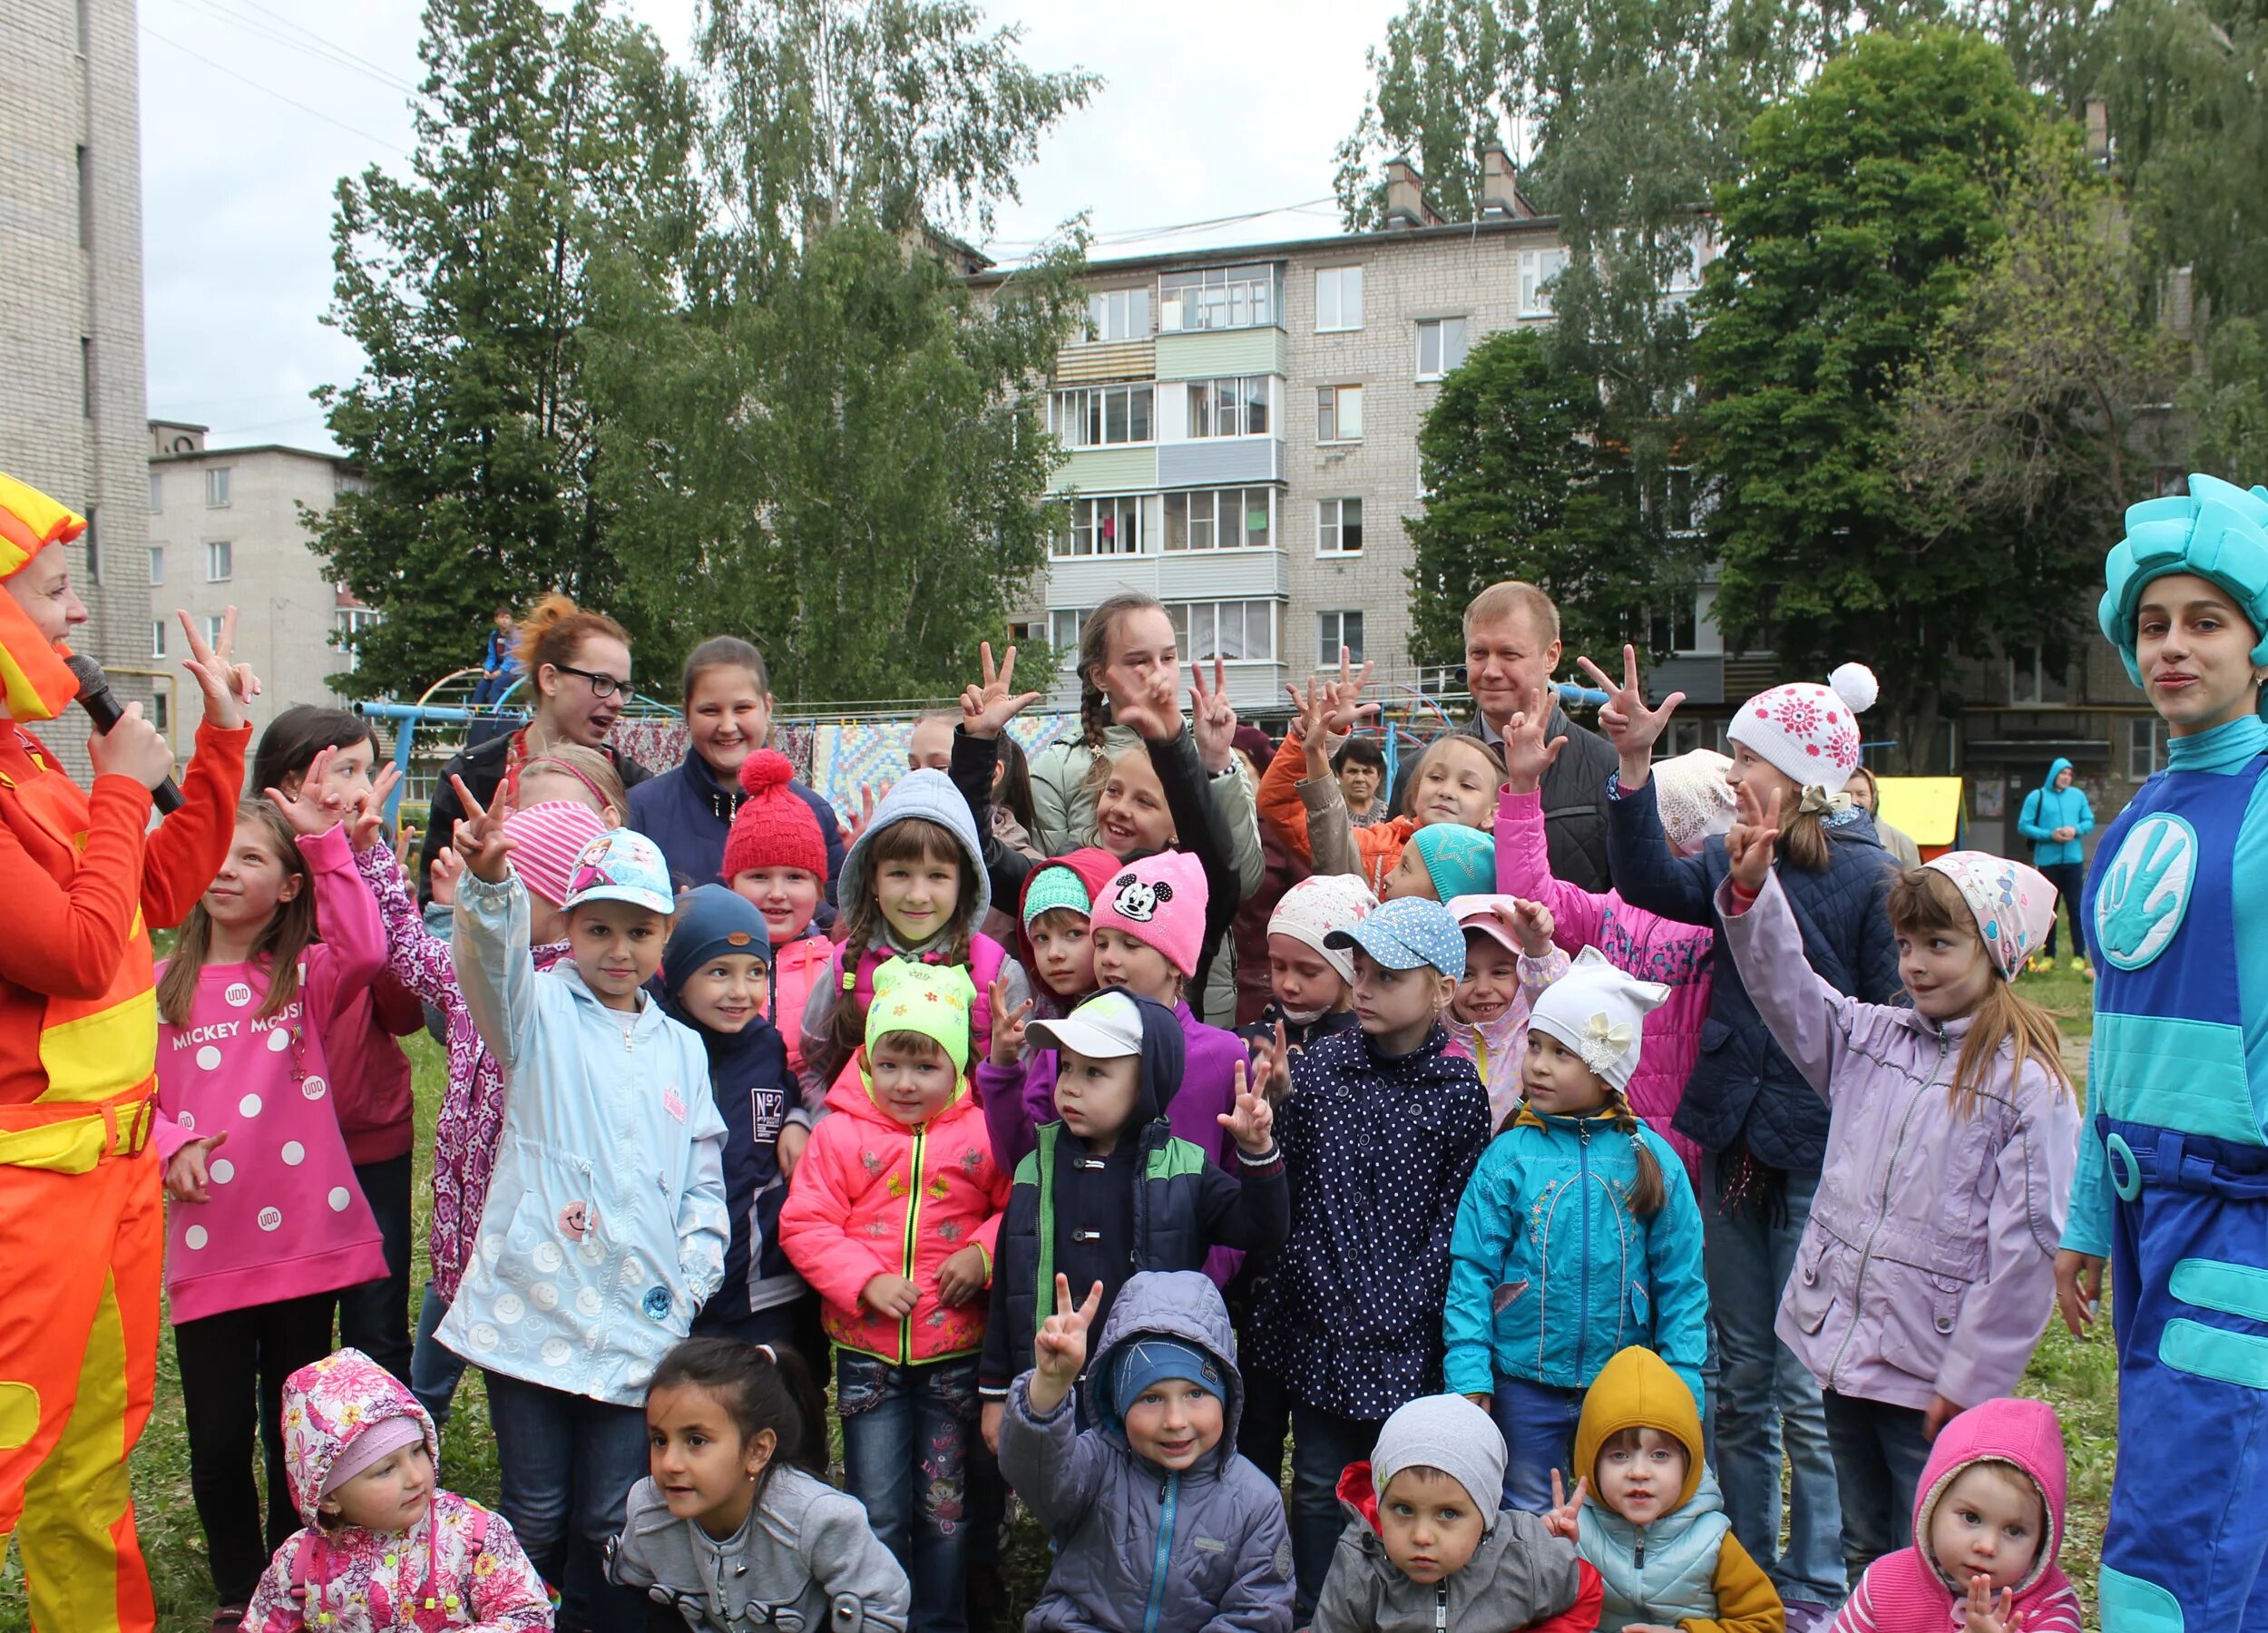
(1136, 1547)
(804, 1561)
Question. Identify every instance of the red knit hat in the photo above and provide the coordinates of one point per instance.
(773, 827)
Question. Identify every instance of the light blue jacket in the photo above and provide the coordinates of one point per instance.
(2045, 810)
(605, 1228)
(1553, 1275)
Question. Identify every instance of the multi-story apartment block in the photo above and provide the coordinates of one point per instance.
(1242, 429)
(226, 529)
(71, 360)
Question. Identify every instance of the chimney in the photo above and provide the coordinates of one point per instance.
(2098, 133)
(1500, 186)
(1406, 197)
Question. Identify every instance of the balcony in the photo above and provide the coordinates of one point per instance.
(1084, 364)
(1175, 575)
(1202, 354)
(1107, 470)
(1220, 461)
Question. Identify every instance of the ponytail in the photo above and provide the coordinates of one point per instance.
(1648, 1192)
(1095, 637)
(763, 1387)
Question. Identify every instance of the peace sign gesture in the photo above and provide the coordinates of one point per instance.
(1748, 846)
(1628, 724)
(1008, 1025)
(1347, 710)
(1212, 717)
(226, 686)
(1252, 1124)
(315, 807)
(1526, 755)
(480, 837)
(369, 823)
(1981, 1613)
(987, 708)
(1564, 1518)
(1059, 1352)
(1272, 1067)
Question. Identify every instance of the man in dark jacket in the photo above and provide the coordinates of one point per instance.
(1511, 649)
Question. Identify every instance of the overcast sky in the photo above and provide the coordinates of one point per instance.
(251, 110)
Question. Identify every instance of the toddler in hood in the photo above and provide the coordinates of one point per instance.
(1987, 1525)
(384, 1546)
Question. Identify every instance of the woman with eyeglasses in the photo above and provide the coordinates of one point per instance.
(578, 668)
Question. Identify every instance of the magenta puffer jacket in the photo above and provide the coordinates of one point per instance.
(1636, 942)
(1928, 1267)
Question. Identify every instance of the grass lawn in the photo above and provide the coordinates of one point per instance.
(2078, 1376)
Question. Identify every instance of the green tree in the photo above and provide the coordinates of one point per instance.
(1520, 485)
(1865, 207)
(1443, 89)
(465, 284)
(2227, 401)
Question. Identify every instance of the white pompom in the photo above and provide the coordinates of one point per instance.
(1854, 684)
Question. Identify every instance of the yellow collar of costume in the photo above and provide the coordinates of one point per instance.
(34, 684)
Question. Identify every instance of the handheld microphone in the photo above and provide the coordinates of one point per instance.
(105, 710)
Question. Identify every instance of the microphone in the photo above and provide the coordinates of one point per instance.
(103, 708)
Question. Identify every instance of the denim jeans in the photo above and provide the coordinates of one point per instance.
(1765, 1398)
(1539, 1424)
(1322, 1444)
(374, 1316)
(434, 1368)
(1879, 1454)
(567, 1463)
(2068, 879)
(905, 1453)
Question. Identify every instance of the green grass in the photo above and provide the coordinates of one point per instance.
(2077, 1376)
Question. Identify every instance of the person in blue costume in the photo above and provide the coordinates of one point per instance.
(2171, 1186)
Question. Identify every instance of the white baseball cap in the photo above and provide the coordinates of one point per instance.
(1106, 1027)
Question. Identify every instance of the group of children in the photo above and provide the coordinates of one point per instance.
(1436, 1186)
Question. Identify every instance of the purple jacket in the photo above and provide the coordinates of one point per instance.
(1017, 1098)
(1949, 1224)
(1638, 943)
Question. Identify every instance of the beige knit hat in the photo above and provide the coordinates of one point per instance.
(1694, 798)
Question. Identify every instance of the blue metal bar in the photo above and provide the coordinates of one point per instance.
(406, 718)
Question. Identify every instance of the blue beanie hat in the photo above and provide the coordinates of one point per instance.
(711, 921)
(1142, 1362)
(1461, 861)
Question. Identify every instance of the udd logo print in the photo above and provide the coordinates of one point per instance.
(2145, 891)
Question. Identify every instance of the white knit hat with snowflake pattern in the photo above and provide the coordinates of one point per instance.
(1809, 731)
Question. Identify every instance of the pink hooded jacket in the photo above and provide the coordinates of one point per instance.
(458, 1567)
(1908, 1592)
(1636, 942)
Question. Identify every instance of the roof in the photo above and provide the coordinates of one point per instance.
(195, 454)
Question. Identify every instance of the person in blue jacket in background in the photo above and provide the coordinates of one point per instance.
(2057, 818)
(2172, 1186)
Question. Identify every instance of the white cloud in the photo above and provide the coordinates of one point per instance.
(1210, 109)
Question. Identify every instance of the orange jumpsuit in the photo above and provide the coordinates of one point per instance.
(82, 1223)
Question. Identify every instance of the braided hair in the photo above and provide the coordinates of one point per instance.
(908, 839)
(1648, 1192)
(1095, 637)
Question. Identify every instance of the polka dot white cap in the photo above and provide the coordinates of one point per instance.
(1808, 732)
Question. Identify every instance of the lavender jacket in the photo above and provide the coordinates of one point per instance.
(1928, 1267)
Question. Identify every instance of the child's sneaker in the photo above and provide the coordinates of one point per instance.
(2079, 966)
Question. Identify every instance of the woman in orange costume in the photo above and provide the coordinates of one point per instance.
(82, 878)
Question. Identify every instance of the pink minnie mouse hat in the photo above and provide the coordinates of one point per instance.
(1809, 731)
(1159, 901)
(2013, 904)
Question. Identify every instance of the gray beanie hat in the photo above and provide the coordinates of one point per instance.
(1448, 1433)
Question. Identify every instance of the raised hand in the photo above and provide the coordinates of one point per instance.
(1527, 754)
(187, 1173)
(857, 824)
(1252, 1123)
(368, 829)
(961, 1277)
(1629, 723)
(986, 709)
(889, 1295)
(1748, 846)
(1152, 717)
(1059, 1351)
(1531, 925)
(1564, 1519)
(448, 867)
(1008, 1025)
(1212, 718)
(1983, 1614)
(1347, 709)
(1272, 1067)
(480, 837)
(226, 686)
(315, 807)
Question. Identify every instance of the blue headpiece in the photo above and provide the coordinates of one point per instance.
(2217, 530)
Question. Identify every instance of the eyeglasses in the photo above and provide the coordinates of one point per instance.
(602, 685)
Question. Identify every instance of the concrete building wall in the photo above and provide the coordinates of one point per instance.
(70, 345)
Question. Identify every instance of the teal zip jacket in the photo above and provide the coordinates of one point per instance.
(1551, 1272)
(2045, 809)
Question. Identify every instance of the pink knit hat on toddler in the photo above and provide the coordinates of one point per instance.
(546, 840)
(1159, 901)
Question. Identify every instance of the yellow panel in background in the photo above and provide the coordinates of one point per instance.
(1928, 807)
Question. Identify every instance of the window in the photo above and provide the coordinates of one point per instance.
(2145, 747)
(1103, 527)
(348, 623)
(212, 629)
(1118, 315)
(2033, 679)
(1339, 527)
(1102, 416)
(1537, 268)
(1441, 347)
(1237, 630)
(1221, 519)
(341, 483)
(1339, 414)
(216, 488)
(1063, 627)
(157, 493)
(157, 637)
(92, 540)
(1237, 407)
(86, 198)
(86, 376)
(1337, 630)
(1215, 298)
(219, 561)
(1678, 627)
(157, 565)
(1339, 299)
(161, 715)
